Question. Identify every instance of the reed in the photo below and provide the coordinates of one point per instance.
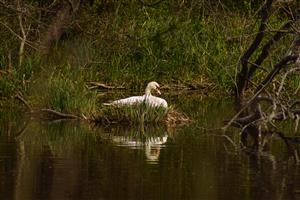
(139, 114)
(64, 90)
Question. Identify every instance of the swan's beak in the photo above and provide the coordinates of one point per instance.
(157, 90)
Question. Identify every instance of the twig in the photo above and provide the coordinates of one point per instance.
(29, 43)
(284, 77)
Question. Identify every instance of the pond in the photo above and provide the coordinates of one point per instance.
(75, 160)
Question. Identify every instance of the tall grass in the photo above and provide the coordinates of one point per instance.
(140, 114)
(64, 90)
(130, 44)
(146, 44)
(136, 114)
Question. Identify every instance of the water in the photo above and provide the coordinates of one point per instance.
(74, 160)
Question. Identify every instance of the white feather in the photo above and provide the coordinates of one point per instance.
(147, 98)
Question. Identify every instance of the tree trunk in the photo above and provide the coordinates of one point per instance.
(61, 21)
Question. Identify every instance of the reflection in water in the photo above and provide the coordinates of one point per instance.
(149, 138)
(70, 160)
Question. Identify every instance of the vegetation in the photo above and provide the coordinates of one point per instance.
(48, 56)
(139, 114)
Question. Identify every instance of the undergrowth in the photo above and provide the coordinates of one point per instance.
(130, 44)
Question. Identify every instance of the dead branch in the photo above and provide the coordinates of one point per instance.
(29, 43)
(284, 78)
(94, 85)
(243, 74)
(20, 98)
(57, 114)
(267, 47)
(279, 66)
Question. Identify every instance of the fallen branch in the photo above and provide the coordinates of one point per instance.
(103, 86)
(56, 114)
(21, 99)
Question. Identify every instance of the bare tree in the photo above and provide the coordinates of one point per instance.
(37, 25)
(267, 103)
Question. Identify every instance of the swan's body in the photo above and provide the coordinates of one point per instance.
(147, 98)
(152, 145)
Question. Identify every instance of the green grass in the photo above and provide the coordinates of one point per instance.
(135, 114)
(131, 46)
(64, 90)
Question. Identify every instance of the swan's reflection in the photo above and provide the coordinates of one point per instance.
(151, 138)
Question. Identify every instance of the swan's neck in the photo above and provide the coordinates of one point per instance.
(148, 91)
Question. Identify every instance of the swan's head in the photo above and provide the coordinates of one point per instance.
(152, 86)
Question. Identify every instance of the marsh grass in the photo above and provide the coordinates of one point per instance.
(64, 90)
(139, 114)
(66, 95)
(130, 44)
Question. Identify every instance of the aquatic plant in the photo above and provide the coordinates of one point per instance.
(65, 92)
(139, 114)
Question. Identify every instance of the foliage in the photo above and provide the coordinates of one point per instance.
(126, 42)
(65, 91)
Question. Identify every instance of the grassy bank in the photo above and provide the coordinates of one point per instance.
(130, 44)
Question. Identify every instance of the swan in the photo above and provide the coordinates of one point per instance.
(152, 145)
(147, 98)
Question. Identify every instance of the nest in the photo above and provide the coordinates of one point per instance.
(175, 117)
(140, 113)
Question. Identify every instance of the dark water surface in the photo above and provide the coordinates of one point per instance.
(73, 160)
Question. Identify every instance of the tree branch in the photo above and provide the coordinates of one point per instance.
(267, 47)
(283, 62)
(243, 74)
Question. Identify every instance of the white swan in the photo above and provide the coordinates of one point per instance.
(152, 145)
(147, 98)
